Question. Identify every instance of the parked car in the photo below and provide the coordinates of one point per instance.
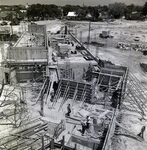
(136, 39)
(3, 23)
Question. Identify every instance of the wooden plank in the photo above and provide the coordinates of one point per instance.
(84, 138)
(106, 74)
(73, 122)
(112, 70)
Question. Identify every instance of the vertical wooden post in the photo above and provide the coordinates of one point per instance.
(81, 36)
(42, 139)
(89, 33)
(76, 32)
(52, 146)
(42, 105)
(62, 143)
(75, 148)
(93, 147)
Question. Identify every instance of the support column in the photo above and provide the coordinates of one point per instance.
(42, 140)
(42, 105)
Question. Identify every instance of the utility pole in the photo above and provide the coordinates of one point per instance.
(81, 36)
(89, 33)
(42, 105)
(97, 49)
(76, 32)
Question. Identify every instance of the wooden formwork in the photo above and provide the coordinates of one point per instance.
(73, 90)
(112, 78)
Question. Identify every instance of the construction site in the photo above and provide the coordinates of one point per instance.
(59, 76)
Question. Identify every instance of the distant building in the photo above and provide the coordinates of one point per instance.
(136, 15)
(71, 15)
(23, 11)
(88, 15)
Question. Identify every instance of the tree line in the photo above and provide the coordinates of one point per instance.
(37, 12)
(114, 11)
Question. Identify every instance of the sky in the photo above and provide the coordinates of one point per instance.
(71, 2)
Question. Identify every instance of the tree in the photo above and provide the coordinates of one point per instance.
(144, 10)
(66, 9)
(104, 8)
(82, 12)
(117, 10)
(41, 12)
(94, 12)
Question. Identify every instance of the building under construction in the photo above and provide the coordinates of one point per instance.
(61, 74)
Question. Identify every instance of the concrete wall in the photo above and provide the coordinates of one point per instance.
(34, 28)
(27, 53)
(76, 68)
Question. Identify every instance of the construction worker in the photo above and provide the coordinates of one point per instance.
(68, 110)
(85, 125)
(55, 86)
(115, 98)
(142, 131)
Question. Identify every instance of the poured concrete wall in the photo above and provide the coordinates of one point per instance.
(34, 28)
(27, 53)
(77, 65)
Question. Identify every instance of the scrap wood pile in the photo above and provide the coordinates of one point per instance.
(132, 46)
(28, 135)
